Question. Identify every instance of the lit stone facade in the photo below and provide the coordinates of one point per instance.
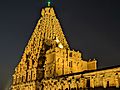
(96, 78)
(48, 63)
(62, 61)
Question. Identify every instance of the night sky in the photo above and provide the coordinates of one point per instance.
(92, 27)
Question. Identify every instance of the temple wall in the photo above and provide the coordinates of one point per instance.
(102, 78)
(61, 62)
(92, 65)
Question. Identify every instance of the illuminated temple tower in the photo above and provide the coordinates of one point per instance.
(48, 63)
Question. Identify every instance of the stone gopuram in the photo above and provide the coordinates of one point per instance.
(48, 63)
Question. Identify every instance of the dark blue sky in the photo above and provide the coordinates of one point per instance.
(92, 27)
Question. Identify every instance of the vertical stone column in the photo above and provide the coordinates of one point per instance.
(66, 85)
(55, 87)
(48, 87)
(97, 80)
(14, 79)
(82, 83)
(34, 86)
(29, 75)
(104, 83)
(34, 73)
(59, 86)
(45, 86)
(17, 78)
(24, 77)
(73, 83)
(92, 82)
(117, 83)
(85, 83)
(78, 84)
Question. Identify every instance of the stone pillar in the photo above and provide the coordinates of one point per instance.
(24, 77)
(85, 83)
(104, 83)
(34, 86)
(73, 84)
(92, 82)
(34, 74)
(59, 85)
(28, 75)
(117, 83)
(17, 80)
(82, 83)
(14, 79)
(48, 85)
(45, 86)
(78, 84)
(66, 85)
(21, 87)
(55, 87)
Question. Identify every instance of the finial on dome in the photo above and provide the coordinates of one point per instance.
(48, 3)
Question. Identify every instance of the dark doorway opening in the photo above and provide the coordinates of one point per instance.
(88, 83)
(108, 84)
(73, 88)
(66, 89)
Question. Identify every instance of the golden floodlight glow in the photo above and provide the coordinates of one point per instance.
(60, 45)
(57, 40)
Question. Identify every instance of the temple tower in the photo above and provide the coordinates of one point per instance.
(47, 55)
(47, 34)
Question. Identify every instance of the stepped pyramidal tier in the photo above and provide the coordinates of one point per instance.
(48, 63)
